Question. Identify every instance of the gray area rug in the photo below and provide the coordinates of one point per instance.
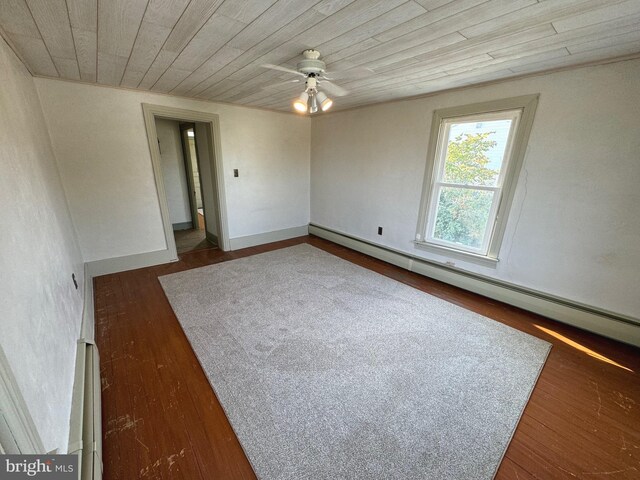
(327, 370)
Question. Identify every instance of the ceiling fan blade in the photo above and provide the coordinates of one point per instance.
(333, 89)
(282, 69)
(350, 73)
(280, 84)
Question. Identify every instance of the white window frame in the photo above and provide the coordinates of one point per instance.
(521, 111)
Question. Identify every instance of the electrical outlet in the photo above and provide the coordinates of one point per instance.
(75, 282)
(235, 172)
(379, 230)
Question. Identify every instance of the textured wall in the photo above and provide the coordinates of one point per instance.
(40, 309)
(106, 166)
(573, 229)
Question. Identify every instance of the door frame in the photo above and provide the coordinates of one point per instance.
(188, 164)
(18, 432)
(151, 112)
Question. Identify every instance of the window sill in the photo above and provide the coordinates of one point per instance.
(458, 254)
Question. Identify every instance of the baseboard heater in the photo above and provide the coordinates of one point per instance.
(85, 437)
(622, 328)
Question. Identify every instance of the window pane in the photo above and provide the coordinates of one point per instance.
(462, 216)
(475, 152)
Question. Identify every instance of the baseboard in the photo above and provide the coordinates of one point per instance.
(267, 237)
(129, 262)
(609, 324)
(87, 334)
(85, 434)
(85, 430)
(182, 226)
(77, 402)
(87, 330)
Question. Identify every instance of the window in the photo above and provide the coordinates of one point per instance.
(473, 163)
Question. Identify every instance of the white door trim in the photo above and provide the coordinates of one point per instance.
(18, 432)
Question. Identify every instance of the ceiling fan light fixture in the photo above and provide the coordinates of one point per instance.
(314, 71)
(313, 104)
(325, 102)
(300, 104)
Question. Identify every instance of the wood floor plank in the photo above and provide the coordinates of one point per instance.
(510, 469)
(162, 420)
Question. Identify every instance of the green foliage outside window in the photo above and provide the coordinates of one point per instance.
(463, 213)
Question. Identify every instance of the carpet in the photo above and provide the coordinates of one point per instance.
(327, 370)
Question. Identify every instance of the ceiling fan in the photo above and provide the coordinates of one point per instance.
(314, 72)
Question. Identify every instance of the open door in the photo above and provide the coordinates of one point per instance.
(192, 169)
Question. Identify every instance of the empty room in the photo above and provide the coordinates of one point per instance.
(319, 239)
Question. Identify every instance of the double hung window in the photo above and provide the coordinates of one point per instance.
(473, 165)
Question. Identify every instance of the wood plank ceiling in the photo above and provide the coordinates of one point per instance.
(378, 50)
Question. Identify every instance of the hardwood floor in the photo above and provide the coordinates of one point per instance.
(193, 239)
(161, 419)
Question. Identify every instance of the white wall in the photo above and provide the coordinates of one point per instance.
(40, 310)
(106, 166)
(173, 170)
(574, 227)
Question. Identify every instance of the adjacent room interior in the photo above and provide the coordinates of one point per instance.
(191, 199)
(288, 239)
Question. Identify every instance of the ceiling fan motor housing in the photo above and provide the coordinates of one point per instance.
(311, 63)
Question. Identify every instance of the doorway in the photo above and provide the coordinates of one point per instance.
(185, 153)
(195, 237)
(189, 206)
(192, 169)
